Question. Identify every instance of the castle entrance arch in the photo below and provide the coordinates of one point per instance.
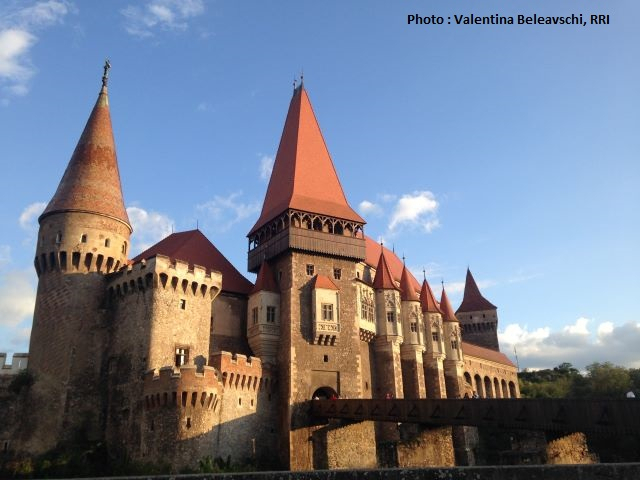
(324, 393)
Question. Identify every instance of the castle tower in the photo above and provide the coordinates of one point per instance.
(84, 234)
(263, 325)
(478, 316)
(413, 345)
(453, 363)
(312, 240)
(434, 354)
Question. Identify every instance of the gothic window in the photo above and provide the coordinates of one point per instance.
(271, 314)
(337, 273)
(391, 316)
(435, 336)
(454, 345)
(327, 311)
(254, 315)
(414, 327)
(182, 356)
(310, 269)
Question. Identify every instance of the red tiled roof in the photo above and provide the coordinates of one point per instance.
(445, 307)
(472, 301)
(427, 300)
(372, 253)
(91, 182)
(321, 281)
(265, 281)
(408, 293)
(304, 177)
(383, 278)
(485, 353)
(193, 247)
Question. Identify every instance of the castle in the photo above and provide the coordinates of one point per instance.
(172, 355)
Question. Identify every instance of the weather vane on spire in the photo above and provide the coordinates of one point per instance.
(105, 75)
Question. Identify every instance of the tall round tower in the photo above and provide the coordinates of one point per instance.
(84, 235)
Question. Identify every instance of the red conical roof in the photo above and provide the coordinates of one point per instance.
(472, 301)
(383, 278)
(322, 281)
(427, 300)
(303, 176)
(91, 182)
(408, 293)
(445, 307)
(265, 281)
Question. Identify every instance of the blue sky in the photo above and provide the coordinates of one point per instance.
(512, 149)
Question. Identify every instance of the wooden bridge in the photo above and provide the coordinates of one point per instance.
(567, 415)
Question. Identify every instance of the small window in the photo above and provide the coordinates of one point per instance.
(58, 237)
(435, 337)
(414, 327)
(188, 422)
(310, 269)
(182, 356)
(124, 247)
(183, 304)
(325, 358)
(271, 314)
(483, 315)
(83, 238)
(454, 344)
(391, 316)
(327, 311)
(239, 401)
(254, 315)
(279, 275)
(358, 274)
(107, 242)
(337, 273)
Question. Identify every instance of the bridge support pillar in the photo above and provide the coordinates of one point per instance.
(412, 371)
(434, 375)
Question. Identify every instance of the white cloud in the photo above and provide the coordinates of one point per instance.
(366, 207)
(17, 37)
(148, 228)
(223, 212)
(29, 216)
(17, 297)
(160, 14)
(417, 209)
(543, 348)
(266, 167)
(5, 255)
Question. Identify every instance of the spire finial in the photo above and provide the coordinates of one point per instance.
(301, 77)
(294, 84)
(442, 282)
(105, 75)
(424, 273)
(404, 260)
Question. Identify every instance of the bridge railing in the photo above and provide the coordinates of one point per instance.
(605, 416)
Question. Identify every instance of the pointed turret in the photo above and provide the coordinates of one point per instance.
(445, 307)
(408, 292)
(304, 197)
(304, 177)
(473, 301)
(383, 278)
(91, 182)
(265, 282)
(427, 300)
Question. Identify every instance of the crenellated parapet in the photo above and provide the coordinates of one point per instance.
(161, 272)
(240, 372)
(184, 387)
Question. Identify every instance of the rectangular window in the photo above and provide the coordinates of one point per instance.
(454, 344)
(271, 314)
(435, 337)
(183, 304)
(337, 273)
(310, 269)
(182, 356)
(254, 315)
(414, 327)
(391, 316)
(327, 311)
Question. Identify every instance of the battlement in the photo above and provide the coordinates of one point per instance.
(184, 387)
(74, 262)
(18, 363)
(241, 372)
(162, 272)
